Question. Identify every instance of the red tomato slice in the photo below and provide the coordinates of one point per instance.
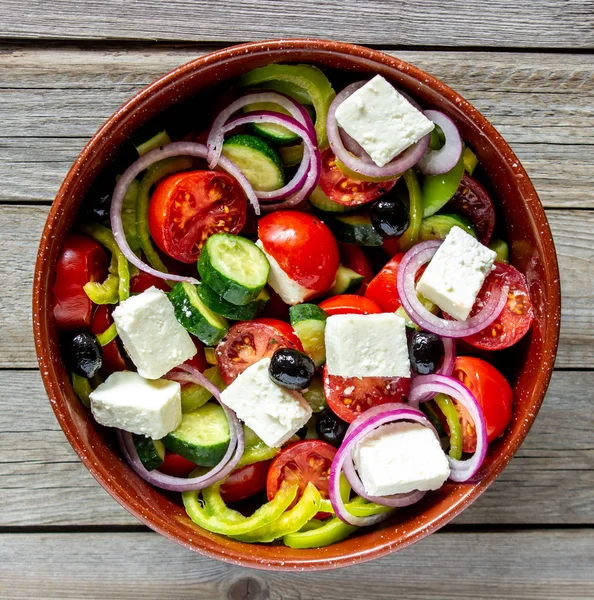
(82, 260)
(303, 246)
(492, 392)
(113, 360)
(302, 463)
(382, 288)
(347, 191)
(143, 281)
(187, 208)
(354, 258)
(176, 465)
(345, 304)
(348, 397)
(248, 342)
(515, 318)
(245, 482)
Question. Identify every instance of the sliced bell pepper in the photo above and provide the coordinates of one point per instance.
(470, 160)
(330, 532)
(438, 189)
(82, 388)
(415, 211)
(159, 139)
(110, 334)
(448, 408)
(129, 215)
(106, 291)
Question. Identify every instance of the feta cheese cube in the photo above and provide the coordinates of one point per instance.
(399, 458)
(382, 121)
(456, 273)
(367, 346)
(152, 336)
(274, 413)
(290, 291)
(130, 402)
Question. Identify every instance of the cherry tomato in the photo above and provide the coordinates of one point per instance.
(176, 465)
(348, 397)
(303, 246)
(345, 304)
(515, 318)
(245, 482)
(382, 288)
(472, 201)
(187, 208)
(492, 392)
(354, 258)
(143, 281)
(198, 361)
(82, 260)
(302, 463)
(248, 342)
(113, 360)
(347, 191)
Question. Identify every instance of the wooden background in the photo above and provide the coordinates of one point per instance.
(66, 65)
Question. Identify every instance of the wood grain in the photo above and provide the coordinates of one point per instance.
(556, 23)
(145, 565)
(43, 483)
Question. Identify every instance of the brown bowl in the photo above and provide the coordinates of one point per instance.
(529, 367)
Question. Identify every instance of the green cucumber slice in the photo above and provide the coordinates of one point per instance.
(247, 312)
(260, 164)
(314, 395)
(306, 312)
(202, 437)
(355, 229)
(195, 316)
(291, 155)
(276, 134)
(501, 249)
(319, 200)
(194, 396)
(347, 281)
(309, 323)
(438, 189)
(234, 267)
(151, 452)
(437, 227)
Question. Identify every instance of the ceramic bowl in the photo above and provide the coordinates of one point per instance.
(529, 366)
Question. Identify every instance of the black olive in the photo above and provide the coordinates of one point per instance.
(389, 216)
(82, 354)
(426, 352)
(291, 369)
(331, 428)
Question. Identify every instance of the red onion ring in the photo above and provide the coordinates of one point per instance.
(436, 162)
(364, 165)
(411, 262)
(425, 387)
(449, 357)
(145, 161)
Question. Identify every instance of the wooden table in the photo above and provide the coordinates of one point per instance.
(65, 66)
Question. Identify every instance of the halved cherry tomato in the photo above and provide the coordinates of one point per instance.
(113, 360)
(345, 304)
(187, 208)
(245, 482)
(176, 465)
(492, 392)
(515, 318)
(303, 246)
(354, 258)
(347, 191)
(302, 463)
(143, 281)
(382, 288)
(248, 342)
(348, 397)
(82, 260)
(198, 361)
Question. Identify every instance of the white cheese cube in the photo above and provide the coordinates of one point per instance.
(399, 458)
(274, 413)
(290, 291)
(382, 121)
(367, 346)
(456, 273)
(130, 402)
(152, 336)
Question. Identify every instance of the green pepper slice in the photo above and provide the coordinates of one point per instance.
(330, 532)
(470, 160)
(105, 292)
(82, 388)
(438, 189)
(415, 212)
(501, 249)
(110, 334)
(448, 408)
(159, 139)
(129, 215)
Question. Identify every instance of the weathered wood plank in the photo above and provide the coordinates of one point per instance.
(556, 23)
(524, 564)
(20, 229)
(43, 483)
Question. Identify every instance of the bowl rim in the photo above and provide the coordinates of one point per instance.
(41, 288)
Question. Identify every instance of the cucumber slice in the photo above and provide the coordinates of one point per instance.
(210, 355)
(291, 155)
(276, 134)
(202, 437)
(438, 226)
(194, 396)
(260, 164)
(291, 89)
(151, 452)
(195, 316)
(501, 248)
(320, 201)
(262, 299)
(438, 189)
(314, 395)
(247, 312)
(234, 267)
(355, 229)
(347, 281)
(309, 323)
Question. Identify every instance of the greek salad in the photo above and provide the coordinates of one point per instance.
(291, 317)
